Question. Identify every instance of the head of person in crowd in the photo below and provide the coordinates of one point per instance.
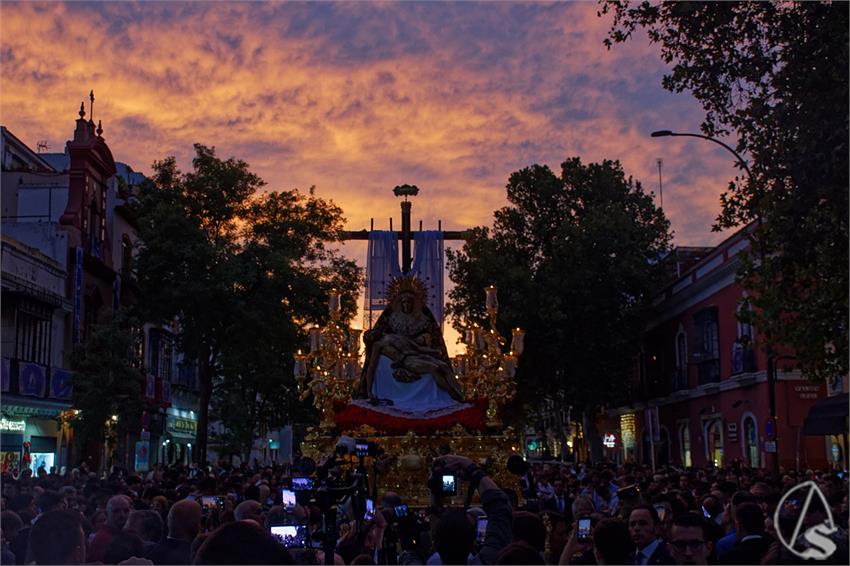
(184, 520)
(519, 552)
(528, 527)
(252, 492)
(242, 542)
(749, 520)
(583, 506)
(712, 506)
(689, 539)
(643, 525)
(147, 524)
(24, 505)
(117, 511)
(249, 510)
(10, 524)
(57, 538)
(275, 516)
(123, 546)
(612, 543)
(454, 537)
(560, 533)
(50, 501)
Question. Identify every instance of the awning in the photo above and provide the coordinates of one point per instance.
(827, 416)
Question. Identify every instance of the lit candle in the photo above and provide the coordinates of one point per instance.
(479, 338)
(315, 338)
(354, 340)
(509, 366)
(492, 300)
(333, 301)
(300, 365)
(517, 341)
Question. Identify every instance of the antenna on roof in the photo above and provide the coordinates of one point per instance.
(42, 146)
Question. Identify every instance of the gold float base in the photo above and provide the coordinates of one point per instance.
(406, 464)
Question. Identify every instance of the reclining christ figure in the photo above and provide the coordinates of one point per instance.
(407, 364)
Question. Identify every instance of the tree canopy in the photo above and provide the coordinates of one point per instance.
(241, 272)
(576, 260)
(775, 75)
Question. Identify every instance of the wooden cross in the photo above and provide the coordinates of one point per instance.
(406, 234)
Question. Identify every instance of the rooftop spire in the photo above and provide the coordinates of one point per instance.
(82, 110)
(99, 128)
(91, 106)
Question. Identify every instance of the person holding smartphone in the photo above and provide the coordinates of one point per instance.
(455, 534)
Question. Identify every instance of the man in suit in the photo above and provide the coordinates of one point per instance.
(644, 530)
(753, 543)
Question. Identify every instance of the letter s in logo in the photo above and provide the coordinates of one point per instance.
(822, 546)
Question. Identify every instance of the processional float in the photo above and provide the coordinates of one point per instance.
(460, 412)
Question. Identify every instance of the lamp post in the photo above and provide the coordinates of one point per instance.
(771, 359)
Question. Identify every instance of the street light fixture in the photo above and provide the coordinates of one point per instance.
(771, 359)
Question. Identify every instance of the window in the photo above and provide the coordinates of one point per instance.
(751, 442)
(33, 334)
(707, 346)
(685, 443)
(681, 379)
(126, 256)
(161, 348)
(714, 442)
(94, 230)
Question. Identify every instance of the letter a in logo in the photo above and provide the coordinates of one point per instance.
(814, 542)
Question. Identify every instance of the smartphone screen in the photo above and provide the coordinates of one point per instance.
(287, 499)
(449, 484)
(370, 510)
(361, 449)
(583, 529)
(400, 511)
(481, 529)
(662, 512)
(210, 502)
(290, 536)
(302, 484)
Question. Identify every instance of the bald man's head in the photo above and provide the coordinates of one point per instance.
(184, 520)
(117, 511)
(249, 510)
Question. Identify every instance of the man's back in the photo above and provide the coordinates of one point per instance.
(99, 542)
(171, 551)
(749, 550)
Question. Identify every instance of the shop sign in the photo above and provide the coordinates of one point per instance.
(609, 440)
(627, 429)
(732, 432)
(807, 391)
(186, 426)
(15, 426)
(770, 446)
(142, 462)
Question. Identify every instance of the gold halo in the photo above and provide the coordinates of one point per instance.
(406, 284)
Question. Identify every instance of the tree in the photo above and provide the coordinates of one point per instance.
(241, 273)
(105, 381)
(576, 261)
(775, 75)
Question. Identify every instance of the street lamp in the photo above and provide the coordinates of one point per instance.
(666, 133)
(771, 359)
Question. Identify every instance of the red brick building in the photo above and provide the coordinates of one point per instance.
(704, 374)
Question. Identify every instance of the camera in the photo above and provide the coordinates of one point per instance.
(480, 530)
(370, 510)
(212, 502)
(448, 483)
(400, 511)
(287, 497)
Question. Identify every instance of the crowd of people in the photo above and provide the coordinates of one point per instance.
(555, 513)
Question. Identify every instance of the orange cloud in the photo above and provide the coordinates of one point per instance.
(356, 98)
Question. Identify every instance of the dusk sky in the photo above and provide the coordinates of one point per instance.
(356, 98)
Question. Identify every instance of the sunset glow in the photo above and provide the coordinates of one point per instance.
(356, 98)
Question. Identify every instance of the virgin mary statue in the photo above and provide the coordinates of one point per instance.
(407, 364)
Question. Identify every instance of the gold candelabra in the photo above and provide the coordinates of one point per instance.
(485, 371)
(332, 364)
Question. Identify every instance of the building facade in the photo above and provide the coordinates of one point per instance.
(701, 393)
(69, 242)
